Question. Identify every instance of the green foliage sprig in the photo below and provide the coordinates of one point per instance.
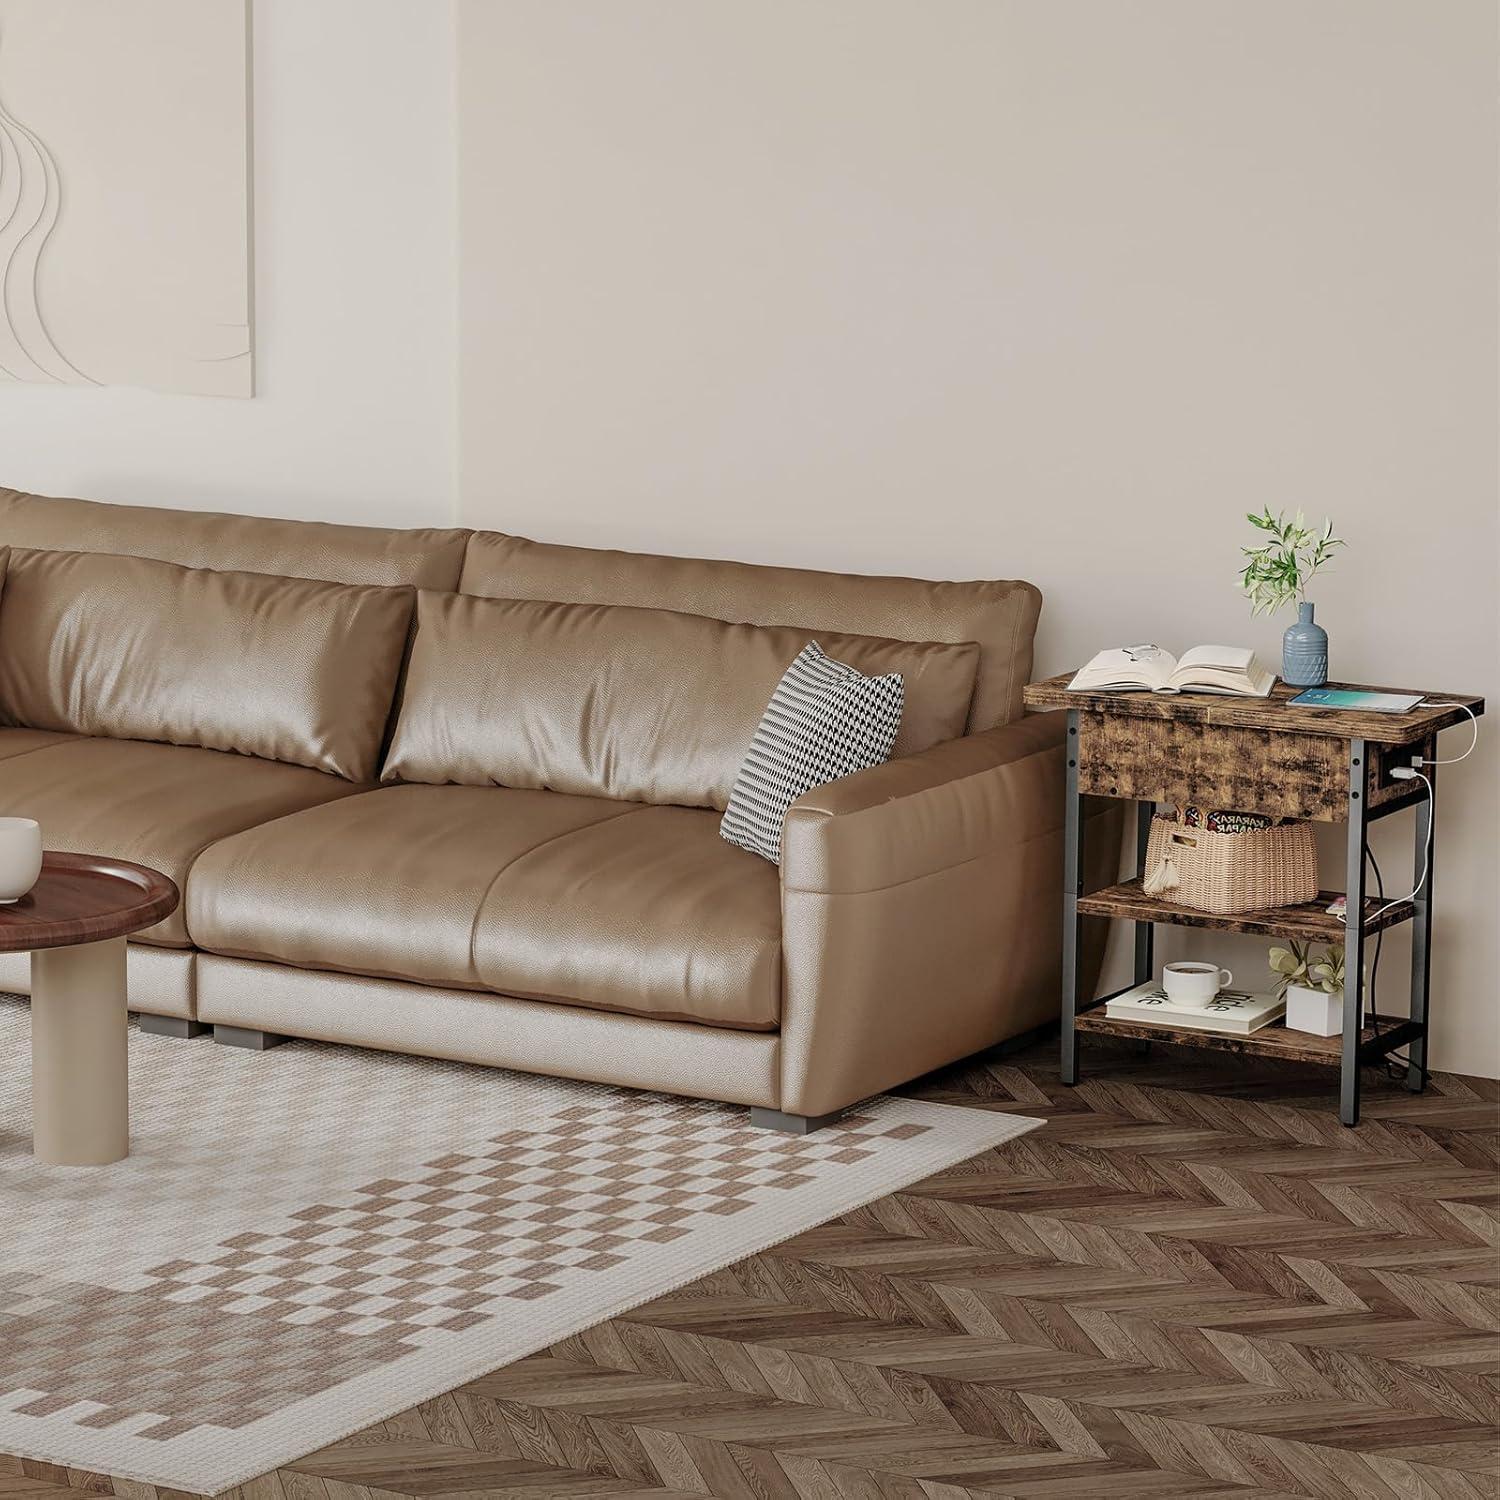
(1297, 965)
(1277, 572)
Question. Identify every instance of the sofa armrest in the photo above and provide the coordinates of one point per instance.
(922, 912)
(927, 812)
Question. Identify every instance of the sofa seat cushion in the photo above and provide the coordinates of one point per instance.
(651, 914)
(525, 892)
(388, 883)
(161, 805)
(23, 741)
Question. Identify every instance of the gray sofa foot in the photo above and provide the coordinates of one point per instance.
(773, 1119)
(178, 1026)
(255, 1041)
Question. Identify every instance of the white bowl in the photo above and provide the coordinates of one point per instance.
(20, 857)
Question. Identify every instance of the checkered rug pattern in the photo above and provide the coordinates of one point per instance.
(230, 1325)
(449, 1245)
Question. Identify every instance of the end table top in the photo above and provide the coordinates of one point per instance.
(85, 898)
(1274, 713)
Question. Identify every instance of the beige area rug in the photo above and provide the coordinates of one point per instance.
(308, 1240)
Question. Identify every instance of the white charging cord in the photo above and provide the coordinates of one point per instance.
(1474, 740)
(1411, 773)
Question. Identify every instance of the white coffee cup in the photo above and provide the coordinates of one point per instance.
(1193, 985)
(20, 857)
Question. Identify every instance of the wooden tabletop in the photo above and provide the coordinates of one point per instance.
(85, 898)
(1274, 712)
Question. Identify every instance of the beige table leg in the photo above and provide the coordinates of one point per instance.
(80, 1087)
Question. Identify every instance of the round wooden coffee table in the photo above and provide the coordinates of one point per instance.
(73, 922)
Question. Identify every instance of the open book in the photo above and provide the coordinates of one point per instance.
(1232, 670)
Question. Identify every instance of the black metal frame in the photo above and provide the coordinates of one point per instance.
(1421, 930)
(1354, 935)
(1355, 1051)
(1072, 890)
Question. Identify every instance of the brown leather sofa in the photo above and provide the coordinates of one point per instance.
(457, 793)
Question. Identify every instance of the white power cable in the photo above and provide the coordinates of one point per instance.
(1411, 773)
(1474, 724)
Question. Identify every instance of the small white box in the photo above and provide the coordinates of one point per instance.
(1314, 1011)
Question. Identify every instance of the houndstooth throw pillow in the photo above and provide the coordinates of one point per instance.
(824, 721)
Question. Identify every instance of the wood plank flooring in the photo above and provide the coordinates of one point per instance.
(1192, 1283)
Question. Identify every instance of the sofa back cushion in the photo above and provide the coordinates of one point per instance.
(646, 705)
(999, 615)
(288, 669)
(428, 559)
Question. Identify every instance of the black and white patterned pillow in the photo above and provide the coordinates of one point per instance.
(824, 721)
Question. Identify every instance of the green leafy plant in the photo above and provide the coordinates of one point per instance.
(1329, 972)
(1298, 965)
(1277, 572)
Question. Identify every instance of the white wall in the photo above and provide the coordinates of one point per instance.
(354, 288)
(1048, 288)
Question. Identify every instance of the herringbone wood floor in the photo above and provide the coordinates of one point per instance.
(1192, 1282)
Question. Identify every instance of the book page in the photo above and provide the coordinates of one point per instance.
(1132, 666)
(1256, 683)
(1235, 658)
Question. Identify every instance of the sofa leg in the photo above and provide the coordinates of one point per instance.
(773, 1119)
(254, 1041)
(178, 1026)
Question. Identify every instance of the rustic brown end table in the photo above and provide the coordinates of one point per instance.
(1255, 755)
(73, 922)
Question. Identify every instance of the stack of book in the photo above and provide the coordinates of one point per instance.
(1235, 1012)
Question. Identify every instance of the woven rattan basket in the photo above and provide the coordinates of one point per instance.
(1231, 872)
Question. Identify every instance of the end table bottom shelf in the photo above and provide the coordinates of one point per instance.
(1275, 1040)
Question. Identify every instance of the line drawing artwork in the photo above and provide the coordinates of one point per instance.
(125, 232)
(30, 201)
(224, 359)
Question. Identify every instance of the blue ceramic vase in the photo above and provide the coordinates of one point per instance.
(1304, 651)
